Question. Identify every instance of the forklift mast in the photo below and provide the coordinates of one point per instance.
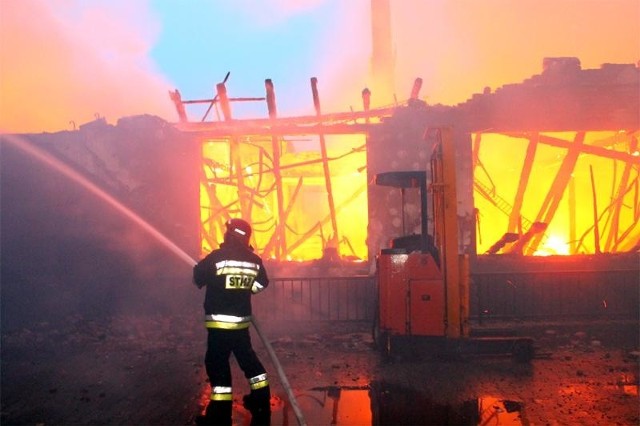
(455, 267)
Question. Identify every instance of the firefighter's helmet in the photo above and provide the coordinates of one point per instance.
(238, 228)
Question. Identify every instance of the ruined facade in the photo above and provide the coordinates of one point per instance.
(547, 130)
(551, 130)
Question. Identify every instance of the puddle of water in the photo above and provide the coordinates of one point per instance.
(382, 404)
(336, 406)
(499, 411)
(631, 390)
(398, 405)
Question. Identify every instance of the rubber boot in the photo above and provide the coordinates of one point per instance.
(218, 413)
(259, 404)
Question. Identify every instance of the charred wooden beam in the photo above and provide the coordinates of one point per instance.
(179, 104)
(554, 196)
(586, 149)
(325, 162)
(280, 232)
(304, 125)
(415, 90)
(525, 174)
(223, 99)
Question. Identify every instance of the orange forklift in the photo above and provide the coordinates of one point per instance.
(423, 281)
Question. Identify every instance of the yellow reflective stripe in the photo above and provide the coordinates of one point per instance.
(259, 385)
(221, 393)
(237, 267)
(221, 397)
(226, 318)
(237, 263)
(227, 325)
(258, 378)
(259, 381)
(230, 270)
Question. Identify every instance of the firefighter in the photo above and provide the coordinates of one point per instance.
(231, 275)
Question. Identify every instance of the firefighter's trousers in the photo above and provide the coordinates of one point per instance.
(221, 344)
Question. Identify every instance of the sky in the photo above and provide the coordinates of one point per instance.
(64, 63)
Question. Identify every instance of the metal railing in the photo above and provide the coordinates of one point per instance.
(318, 299)
(558, 295)
(515, 295)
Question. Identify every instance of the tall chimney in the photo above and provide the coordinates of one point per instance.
(382, 60)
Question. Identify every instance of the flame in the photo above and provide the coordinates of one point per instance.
(308, 225)
(554, 245)
(63, 66)
(308, 230)
(571, 226)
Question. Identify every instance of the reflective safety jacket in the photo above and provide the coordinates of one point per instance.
(231, 274)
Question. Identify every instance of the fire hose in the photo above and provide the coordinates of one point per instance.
(71, 174)
(281, 375)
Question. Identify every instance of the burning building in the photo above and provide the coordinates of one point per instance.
(545, 167)
(548, 166)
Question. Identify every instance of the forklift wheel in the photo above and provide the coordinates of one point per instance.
(381, 340)
(375, 332)
(385, 347)
(382, 343)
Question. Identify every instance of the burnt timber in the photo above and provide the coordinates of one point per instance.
(562, 98)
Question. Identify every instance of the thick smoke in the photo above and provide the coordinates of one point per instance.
(66, 62)
(461, 47)
(66, 252)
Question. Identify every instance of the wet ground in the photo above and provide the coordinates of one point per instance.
(147, 370)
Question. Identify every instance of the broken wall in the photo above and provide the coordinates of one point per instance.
(564, 99)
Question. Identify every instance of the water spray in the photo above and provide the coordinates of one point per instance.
(160, 237)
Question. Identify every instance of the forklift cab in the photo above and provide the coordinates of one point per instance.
(410, 282)
(422, 242)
